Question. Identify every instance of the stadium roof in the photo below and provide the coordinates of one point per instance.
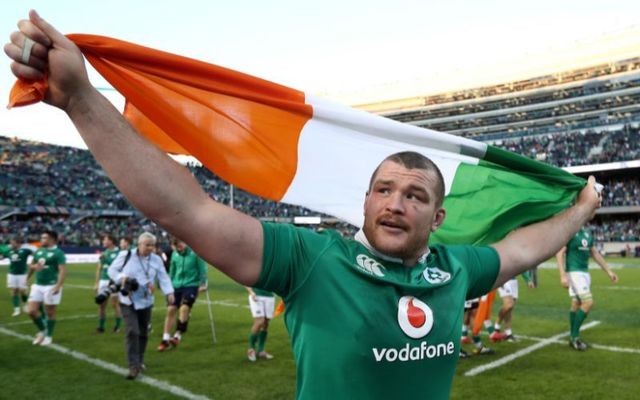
(602, 49)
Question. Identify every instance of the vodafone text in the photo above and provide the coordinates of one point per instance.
(408, 353)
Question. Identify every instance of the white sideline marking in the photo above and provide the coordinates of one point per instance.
(595, 346)
(226, 303)
(618, 287)
(156, 383)
(29, 321)
(523, 352)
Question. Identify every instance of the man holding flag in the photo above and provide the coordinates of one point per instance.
(377, 316)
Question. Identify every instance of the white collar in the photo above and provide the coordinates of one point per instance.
(362, 239)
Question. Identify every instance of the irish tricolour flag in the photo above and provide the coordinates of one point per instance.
(289, 146)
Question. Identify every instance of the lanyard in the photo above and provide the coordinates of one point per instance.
(145, 266)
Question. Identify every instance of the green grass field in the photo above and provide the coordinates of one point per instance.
(73, 369)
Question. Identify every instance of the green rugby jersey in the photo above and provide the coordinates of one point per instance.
(362, 325)
(264, 293)
(578, 251)
(53, 258)
(187, 269)
(106, 258)
(18, 260)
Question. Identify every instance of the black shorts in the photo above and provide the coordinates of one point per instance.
(186, 295)
(471, 304)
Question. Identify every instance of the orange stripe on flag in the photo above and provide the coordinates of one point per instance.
(243, 128)
(484, 312)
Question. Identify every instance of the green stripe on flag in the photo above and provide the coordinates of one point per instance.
(503, 192)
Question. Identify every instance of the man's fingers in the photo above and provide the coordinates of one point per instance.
(30, 30)
(56, 38)
(39, 50)
(15, 53)
(26, 72)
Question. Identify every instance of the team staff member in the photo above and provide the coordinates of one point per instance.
(102, 280)
(377, 316)
(144, 266)
(49, 265)
(262, 304)
(17, 276)
(573, 264)
(188, 274)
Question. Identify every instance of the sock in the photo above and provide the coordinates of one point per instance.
(39, 323)
(465, 330)
(177, 335)
(101, 323)
(118, 322)
(488, 326)
(182, 326)
(476, 341)
(42, 313)
(166, 337)
(572, 323)
(508, 332)
(580, 317)
(51, 324)
(497, 327)
(15, 300)
(252, 340)
(24, 297)
(262, 339)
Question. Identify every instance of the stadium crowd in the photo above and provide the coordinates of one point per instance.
(578, 148)
(37, 174)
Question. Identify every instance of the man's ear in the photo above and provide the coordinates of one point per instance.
(439, 219)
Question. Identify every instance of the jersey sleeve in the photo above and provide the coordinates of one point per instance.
(289, 256)
(482, 266)
(62, 259)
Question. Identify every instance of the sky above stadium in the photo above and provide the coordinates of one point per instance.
(357, 51)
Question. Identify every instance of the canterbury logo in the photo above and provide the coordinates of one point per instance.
(369, 265)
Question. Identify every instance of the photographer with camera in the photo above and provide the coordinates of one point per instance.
(133, 273)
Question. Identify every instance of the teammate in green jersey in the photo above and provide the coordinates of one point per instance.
(17, 276)
(573, 264)
(262, 304)
(188, 274)
(102, 281)
(377, 316)
(125, 243)
(49, 266)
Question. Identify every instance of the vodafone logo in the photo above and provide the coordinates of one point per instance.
(414, 317)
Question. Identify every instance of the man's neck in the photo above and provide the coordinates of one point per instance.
(361, 237)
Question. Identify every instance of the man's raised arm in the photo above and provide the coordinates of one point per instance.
(155, 184)
(529, 246)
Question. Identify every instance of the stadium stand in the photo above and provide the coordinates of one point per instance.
(585, 120)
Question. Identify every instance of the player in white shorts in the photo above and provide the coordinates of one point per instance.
(509, 295)
(573, 264)
(49, 267)
(262, 304)
(17, 276)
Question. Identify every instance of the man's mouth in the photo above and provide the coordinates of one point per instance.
(393, 225)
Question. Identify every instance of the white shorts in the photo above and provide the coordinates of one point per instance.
(510, 288)
(579, 285)
(17, 281)
(42, 294)
(103, 283)
(262, 307)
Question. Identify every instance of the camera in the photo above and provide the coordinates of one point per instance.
(130, 285)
